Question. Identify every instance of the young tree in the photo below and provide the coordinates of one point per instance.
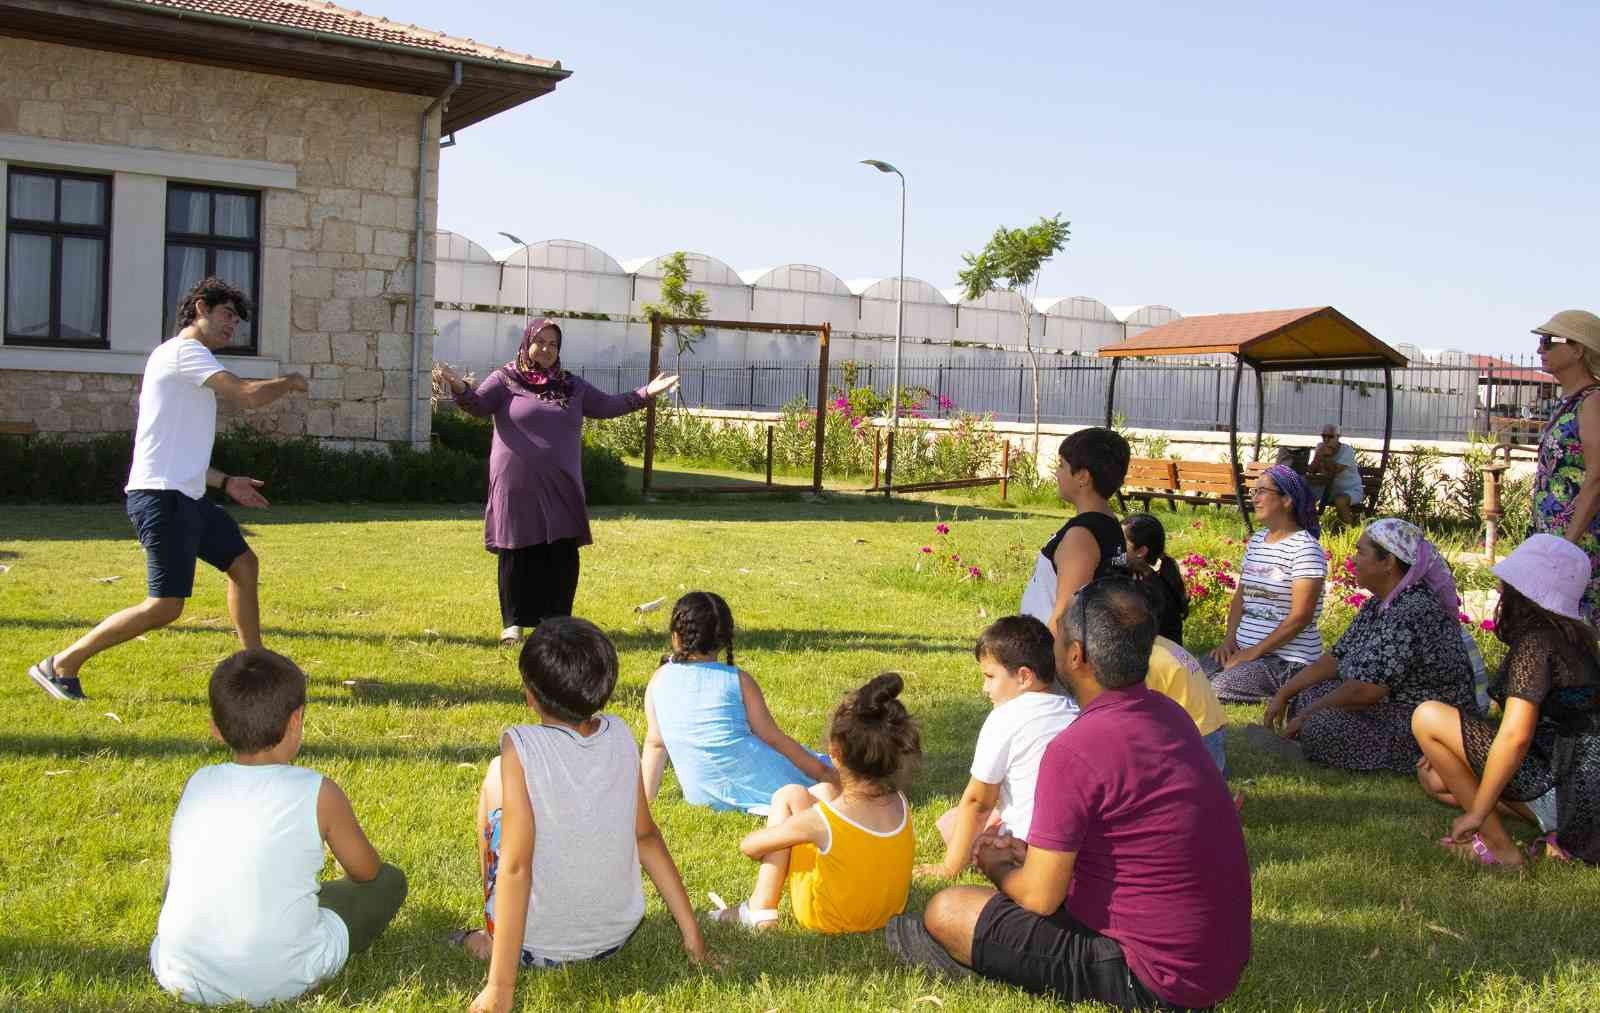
(678, 300)
(1011, 261)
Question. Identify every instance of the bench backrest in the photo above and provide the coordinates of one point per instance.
(1151, 473)
(1210, 478)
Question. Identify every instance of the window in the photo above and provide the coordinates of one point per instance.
(214, 232)
(58, 245)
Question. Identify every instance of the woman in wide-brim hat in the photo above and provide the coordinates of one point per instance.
(1548, 689)
(1566, 485)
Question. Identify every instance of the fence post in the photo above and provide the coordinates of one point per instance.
(938, 398)
(750, 400)
(877, 451)
(702, 386)
(1005, 467)
(769, 454)
(1021, 370)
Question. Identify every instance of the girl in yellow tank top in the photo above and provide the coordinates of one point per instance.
(845, 849)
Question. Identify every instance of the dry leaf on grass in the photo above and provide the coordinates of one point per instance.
(648, 606)
(930, 999)
(113, 717)
(109, 580)
(469, 766)
(4, 568)
(1452, 933)
(57, 773)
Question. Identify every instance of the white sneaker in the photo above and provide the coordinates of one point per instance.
(510, 636)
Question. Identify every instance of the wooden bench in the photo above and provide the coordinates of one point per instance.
(1198, 482)
(1149, 477)
(1206, 482)
(1369, 485)
(25, 430)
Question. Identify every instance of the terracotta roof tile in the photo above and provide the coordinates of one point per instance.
(331, 19)
(1275, 337)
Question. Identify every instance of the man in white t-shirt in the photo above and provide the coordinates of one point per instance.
(1334, 474)
(1017, 657)
(166, 488)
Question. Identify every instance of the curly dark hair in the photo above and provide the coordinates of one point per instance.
(213, 292)
(877, 738)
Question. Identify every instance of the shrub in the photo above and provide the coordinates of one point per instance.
(1410, 489)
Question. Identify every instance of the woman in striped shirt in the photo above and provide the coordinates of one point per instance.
(1272, 621)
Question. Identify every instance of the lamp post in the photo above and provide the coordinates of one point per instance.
(899, 324)
(527, 283)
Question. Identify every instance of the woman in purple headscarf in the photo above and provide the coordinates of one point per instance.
(1352, 708)
(1272, 621)
(537, 516)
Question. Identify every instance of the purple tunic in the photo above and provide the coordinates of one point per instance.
(536, 458)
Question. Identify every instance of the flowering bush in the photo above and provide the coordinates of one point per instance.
(942, 557)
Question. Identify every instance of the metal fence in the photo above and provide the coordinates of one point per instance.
(1441, 401)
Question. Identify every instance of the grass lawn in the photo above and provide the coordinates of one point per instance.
(391, 611)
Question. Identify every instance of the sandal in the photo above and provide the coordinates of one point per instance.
(1549, 848)
(1481, 853)
(751, 918)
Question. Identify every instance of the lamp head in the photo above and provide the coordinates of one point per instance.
(880, 166)
(514, 239)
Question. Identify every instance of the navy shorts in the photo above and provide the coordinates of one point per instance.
(175, 531)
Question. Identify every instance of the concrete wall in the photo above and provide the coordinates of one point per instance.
(336, 167)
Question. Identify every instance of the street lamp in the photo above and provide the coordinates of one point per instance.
(899, 323)
(527, 283)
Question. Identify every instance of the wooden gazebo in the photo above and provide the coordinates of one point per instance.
(1272, 341)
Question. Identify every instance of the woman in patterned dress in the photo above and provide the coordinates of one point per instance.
(1566, 490)
(1352, 708)
(1548, 689)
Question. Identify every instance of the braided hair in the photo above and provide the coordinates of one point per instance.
(703, 624)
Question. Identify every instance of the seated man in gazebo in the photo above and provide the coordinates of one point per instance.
(1334, 475)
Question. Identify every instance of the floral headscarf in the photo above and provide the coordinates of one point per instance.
(553, 384)
(1405, 542)
(1290, 484)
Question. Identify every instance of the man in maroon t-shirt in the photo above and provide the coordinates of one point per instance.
(1133, 887)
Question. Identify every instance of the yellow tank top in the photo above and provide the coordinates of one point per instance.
(859, 882)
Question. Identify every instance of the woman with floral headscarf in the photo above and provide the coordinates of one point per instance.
(1352, 708)
(1272, 620)
(537, 516)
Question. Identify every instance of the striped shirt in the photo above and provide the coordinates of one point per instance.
(1266, 579)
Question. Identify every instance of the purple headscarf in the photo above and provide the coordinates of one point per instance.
(553, 384)
(1305, 504)
(1404, 540)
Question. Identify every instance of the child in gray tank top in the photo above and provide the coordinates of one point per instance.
(572, 784)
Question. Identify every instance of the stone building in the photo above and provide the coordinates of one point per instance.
(290, 146)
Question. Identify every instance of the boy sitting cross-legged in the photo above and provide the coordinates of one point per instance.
(563, 825)
(244, 917)
(1016, 657)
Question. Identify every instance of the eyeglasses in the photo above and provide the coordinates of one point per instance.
(1263, 490)
(1550, 341)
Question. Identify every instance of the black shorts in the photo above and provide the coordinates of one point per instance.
(175, 531)
(1056, 956)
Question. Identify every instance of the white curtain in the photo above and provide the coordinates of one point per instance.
(185, 266)
(236, 216)
(83, 289)
(28, 294)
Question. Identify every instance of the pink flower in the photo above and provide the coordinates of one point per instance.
(1226, 581)
(1463, 617)
(955, 557)
(1355, 600)
(855, 423)
(945, 404)
(927, 549)
(1487, 626)
(974, 571)
(1327, 553)
(942, 528)
(1349, 564)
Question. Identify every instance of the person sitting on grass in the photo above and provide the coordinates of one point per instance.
(1272, 619)
(1351, 708)
(562, 823)
(1548, 689)
(844, 849)
(1152, 567)
(1093, 463)
(244, 917)
(711, 720)
(1133, 887)
(1019, 678)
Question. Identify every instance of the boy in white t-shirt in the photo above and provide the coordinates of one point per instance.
(166, 487)
(1017, 657)
(244, 917)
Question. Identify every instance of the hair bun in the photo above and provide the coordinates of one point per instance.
(875, 698)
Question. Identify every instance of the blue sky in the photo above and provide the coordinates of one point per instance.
(1428, 169)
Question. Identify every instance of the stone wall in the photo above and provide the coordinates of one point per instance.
(337, 256)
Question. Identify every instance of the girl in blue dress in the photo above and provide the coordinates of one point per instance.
(710, 719)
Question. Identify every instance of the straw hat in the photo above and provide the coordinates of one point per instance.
(1551, 572)
(1574, 325)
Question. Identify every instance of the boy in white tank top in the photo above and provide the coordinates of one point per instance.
(244, 917)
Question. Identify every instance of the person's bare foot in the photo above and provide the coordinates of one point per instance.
(478, 943)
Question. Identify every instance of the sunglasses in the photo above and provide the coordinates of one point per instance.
(1550, 341)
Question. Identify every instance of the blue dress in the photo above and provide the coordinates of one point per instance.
(719, 761)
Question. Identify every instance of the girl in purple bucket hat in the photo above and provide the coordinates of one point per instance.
(1548, 689)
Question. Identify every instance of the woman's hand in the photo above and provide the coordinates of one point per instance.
(1292, 729)
(493, 999)
(1277, 710)
(660, 385)
(1464, 826)
(1225, 650)
(449, 377)
(1240, 657)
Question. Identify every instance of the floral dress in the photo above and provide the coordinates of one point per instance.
(1415, 651)
(1556, 482)
(1565, 752)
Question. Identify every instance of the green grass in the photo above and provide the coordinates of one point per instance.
(391, 611)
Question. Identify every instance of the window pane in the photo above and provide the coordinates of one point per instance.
(186, 265)
(28, 294)
(83, 201)
(32, 197)
(236, 215)
(239, 268)
(188, 211)
(83, 287)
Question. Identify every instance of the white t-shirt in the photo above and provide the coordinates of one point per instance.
(177, 419)
(241, 919)
(1010, 744)
(1348, 481)
(1266, 579)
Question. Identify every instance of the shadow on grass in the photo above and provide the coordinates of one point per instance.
(161, 747)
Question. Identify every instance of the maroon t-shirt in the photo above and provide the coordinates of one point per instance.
(1161, 865)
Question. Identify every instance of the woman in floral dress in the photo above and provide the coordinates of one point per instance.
(1566, 490)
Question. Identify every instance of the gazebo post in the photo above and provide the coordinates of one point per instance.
(1388, 425)
(1233, 441)
(1111, 392)
(1261, 410)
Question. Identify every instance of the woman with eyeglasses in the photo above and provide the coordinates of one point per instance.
(537, 516)
(1566, 486)
(1272, 621)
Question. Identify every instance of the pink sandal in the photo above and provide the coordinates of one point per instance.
(1482, 853)
(1550, 848)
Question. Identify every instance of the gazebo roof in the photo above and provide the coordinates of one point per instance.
(1318, 337)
